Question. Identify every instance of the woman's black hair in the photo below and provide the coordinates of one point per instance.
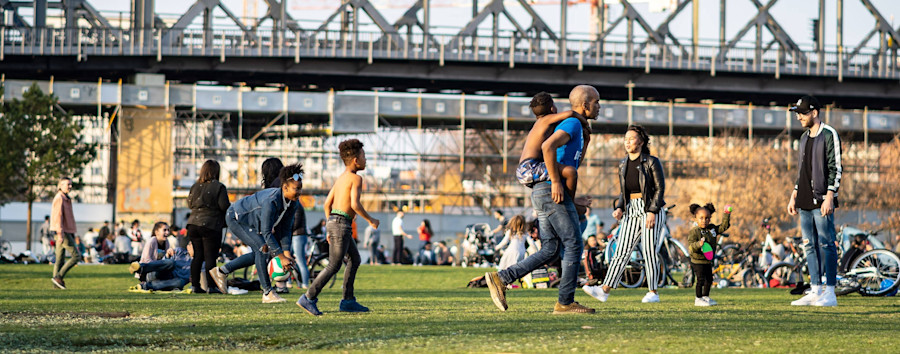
(270, 169)
(709, 207)
(645, 147)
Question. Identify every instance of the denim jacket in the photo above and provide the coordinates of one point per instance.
(260, 211)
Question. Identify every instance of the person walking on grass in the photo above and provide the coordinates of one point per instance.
(555, 205)
(62, 225)
(705, 235)
(341, 207)
(639, 208)
(814, 197)
(264, 222)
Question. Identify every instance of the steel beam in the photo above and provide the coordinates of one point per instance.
(763, 18)
(281, 20)
(496, 8)
(372, 12)
(204, 7)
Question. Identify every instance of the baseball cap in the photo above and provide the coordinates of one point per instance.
(806, 104)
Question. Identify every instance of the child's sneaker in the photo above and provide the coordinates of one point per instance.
(710, 301)
(701, 302)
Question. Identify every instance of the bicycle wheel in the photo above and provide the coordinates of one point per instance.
(633, 276)
(877, 271)
(663, 274)
(678, 259)
(785, 275)
(5, 247)
(731, 254)
(753, 278)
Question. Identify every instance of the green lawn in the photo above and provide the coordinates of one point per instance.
(423, 309)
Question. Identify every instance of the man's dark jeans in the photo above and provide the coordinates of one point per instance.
(559, 228)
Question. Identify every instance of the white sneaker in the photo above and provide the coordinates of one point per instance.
(710, 301)
(272, 298)
(650, 297)
(596, 292)
(701, 302)
(827, 299)
(806, 300)
(236, 291)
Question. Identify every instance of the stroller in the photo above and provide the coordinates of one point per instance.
(478, 246)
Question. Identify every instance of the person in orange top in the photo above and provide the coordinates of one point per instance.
(425, 232)
(62, 224)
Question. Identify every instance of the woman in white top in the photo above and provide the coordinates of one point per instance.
(515, 242)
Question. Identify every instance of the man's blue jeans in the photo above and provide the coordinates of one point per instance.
(818, 242)
(559, 228)
(298, 246)
(255, 242)
(165, 279)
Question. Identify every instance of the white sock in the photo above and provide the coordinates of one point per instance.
(829, 289)
(816, 289)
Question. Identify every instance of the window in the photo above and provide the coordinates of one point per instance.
(689, 116)
(483, 108)
(440, 107)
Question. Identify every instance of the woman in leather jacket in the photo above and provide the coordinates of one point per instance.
(639, 211)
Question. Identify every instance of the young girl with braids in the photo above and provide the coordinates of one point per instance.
(701, 235)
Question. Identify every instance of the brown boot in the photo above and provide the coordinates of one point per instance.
(497, 288)
(571, 308)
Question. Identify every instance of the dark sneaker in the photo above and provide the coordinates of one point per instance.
(282, 290)
(352, 306)
(134, 267)
(571, 308)
(309, 305)
(219, 278)
(58, 282)
(497, 288)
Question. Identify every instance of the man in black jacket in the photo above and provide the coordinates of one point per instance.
(814, 198)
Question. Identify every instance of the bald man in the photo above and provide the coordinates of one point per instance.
(557, 216)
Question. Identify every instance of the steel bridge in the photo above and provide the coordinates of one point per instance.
(760, 64)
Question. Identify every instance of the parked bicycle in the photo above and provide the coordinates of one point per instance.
(874, 272)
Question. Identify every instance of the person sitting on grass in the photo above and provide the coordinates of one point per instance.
(171, 273)
(703, 234)
(341, 206)
(158, 246)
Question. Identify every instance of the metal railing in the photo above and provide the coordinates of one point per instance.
(510, 50)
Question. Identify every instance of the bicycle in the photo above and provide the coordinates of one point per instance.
(5, 246)
(788, 274)
(873, 273)
(673, 256)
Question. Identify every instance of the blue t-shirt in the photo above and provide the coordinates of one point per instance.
(570, 153)
(592, 222)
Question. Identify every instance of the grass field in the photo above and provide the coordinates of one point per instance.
(422, 309)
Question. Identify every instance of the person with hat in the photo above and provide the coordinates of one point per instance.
(814, 197)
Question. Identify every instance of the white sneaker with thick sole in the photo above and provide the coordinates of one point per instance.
(710, 301)
(827, 299)
(806, 300)
(650, 297)
(596, 292)
(699, 301)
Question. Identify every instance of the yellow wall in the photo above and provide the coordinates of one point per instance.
(145, 164)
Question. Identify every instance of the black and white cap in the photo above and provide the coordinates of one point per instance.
(806, 104)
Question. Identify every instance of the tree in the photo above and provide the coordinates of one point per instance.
(42, 143)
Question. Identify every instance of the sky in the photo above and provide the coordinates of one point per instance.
(450, 15)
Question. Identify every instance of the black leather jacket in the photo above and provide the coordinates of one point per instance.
(652, 172)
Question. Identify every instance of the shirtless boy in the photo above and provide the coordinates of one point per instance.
(341, 206)
(532, 168)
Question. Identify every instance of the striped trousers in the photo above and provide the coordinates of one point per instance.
(632, 228)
